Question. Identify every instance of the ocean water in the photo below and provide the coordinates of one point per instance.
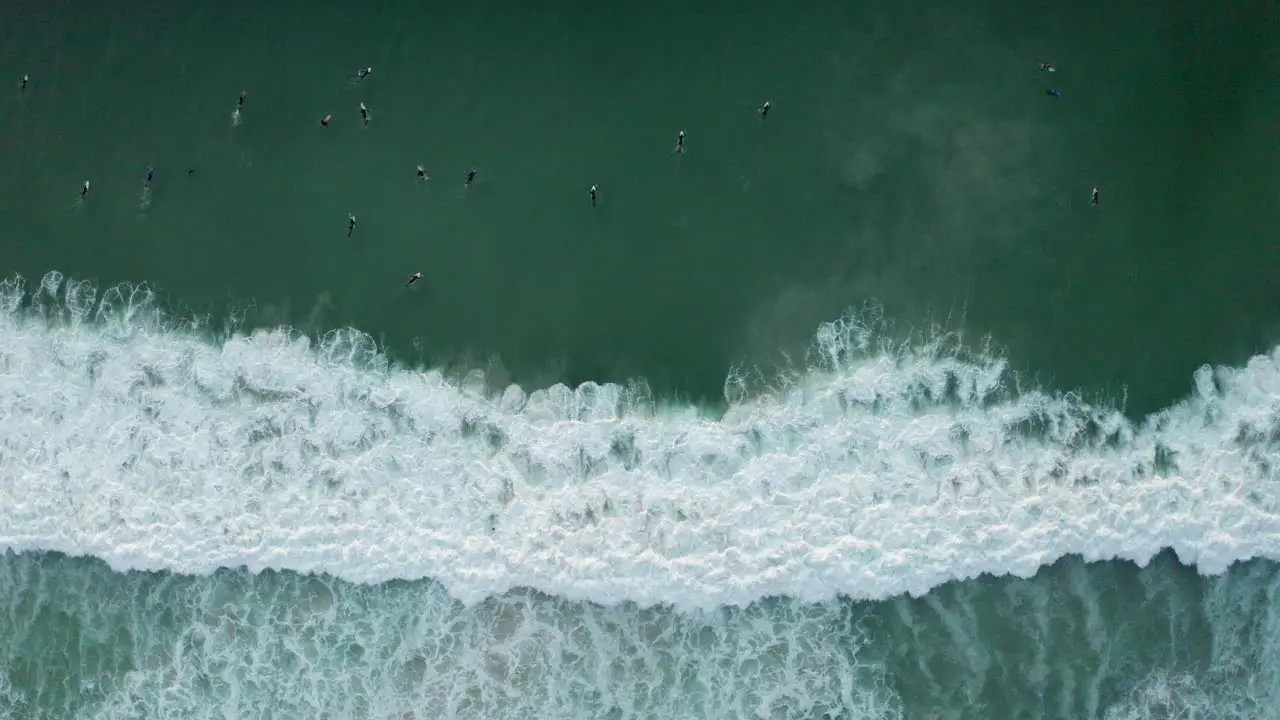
(858, 412)
(1102, 640)
(409, 546)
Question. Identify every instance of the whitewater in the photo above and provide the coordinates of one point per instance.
(144, 440)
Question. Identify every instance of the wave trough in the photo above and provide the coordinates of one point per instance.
(882, 470)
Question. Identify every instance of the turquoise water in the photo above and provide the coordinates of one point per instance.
(1105, 640)
(857, 411)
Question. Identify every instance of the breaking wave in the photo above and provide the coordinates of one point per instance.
(130, 436)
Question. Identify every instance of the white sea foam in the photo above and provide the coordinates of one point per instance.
(878, 472)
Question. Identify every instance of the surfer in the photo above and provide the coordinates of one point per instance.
(84, 190)
(25, 79)
(595, 194)
(324, 121)
(413, 279)
(764, 110)
(422, 173)
(364, 73)
(151, 175)
(351, 224)
(1048, 67)
(240, 103)
(1053, 92)
(364, 113)
(471, 176)
(680, 142)
(1093, 199)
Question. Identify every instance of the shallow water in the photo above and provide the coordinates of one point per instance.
(1098, 640)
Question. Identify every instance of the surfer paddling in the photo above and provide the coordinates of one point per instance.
(84, 189)
(413, 279)
(235, 114)
(25, 79)
(680, 143)
(595, 194)
(1093, 198)
(351, 224)
(364, 113)
(471, 176)
(364, 73)
(764, 110)
(151, 175)
(324, 121)
(422, 173)
(1048, 67)
(1053, 93)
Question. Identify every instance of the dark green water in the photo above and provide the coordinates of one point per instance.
(912, 158)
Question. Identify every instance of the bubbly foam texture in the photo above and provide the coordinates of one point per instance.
(1067, 643)
(284, 645)
(877, 472)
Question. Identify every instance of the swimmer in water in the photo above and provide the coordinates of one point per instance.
(364, 73)
(151, 175)
(422, 173)
(1053, 92)
(680, 142)
(351, 224)
(84, 190)
(1048, 67)
(595, 194)
(1094, 198)
(364, 113)
(324, 121)
(25, 79)
(764, 110)
(471, 176)
(413, 279)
